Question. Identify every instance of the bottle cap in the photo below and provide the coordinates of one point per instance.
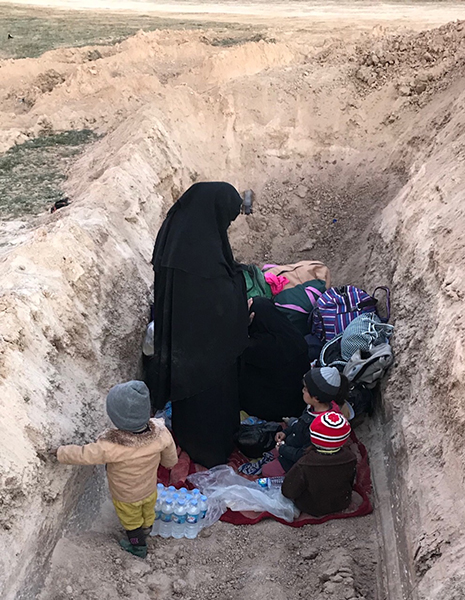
(181, 502)
(203, 498)
(195, 492)
(171, 488)
(169, 501)
(194, 503)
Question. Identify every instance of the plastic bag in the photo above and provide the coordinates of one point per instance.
(165, 414)
(254, 440)
(215, 509)
(148, 345)
(221, 484)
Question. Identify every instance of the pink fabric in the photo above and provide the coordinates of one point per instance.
(276, 282)
(273, 468)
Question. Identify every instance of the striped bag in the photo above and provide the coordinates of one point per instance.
(338, 307)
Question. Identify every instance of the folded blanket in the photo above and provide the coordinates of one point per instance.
(360, 506)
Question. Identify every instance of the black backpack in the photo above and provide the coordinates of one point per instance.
(362, 399)
(254, 440)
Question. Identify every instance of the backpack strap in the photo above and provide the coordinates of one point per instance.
(388, 302)
(313, 294)
(292, 307)
(315, 322)
(367, 303)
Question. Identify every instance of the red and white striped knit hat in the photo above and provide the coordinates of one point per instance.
(329, 431)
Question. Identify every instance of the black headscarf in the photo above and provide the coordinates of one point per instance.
(194, 236)
(200, 308)
(273, 339)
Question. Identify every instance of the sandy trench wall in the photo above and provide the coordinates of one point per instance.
(74, 297)
(417, 246)
(421, 250)
(74, 303)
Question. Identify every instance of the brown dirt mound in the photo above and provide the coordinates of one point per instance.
(420, 63)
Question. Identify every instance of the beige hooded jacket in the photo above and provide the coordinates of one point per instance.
(132, 459)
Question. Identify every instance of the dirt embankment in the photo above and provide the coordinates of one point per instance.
(348, 166)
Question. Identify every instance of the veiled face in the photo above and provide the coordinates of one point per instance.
(227, 205)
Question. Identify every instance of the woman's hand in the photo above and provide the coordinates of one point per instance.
(251, 315)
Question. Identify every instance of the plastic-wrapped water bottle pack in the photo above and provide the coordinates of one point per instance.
(179, 513)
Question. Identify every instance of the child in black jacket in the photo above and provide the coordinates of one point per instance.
(322, 391)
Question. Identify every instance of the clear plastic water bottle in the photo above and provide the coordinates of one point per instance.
(192, 520)
(179, 519)
(203, 506)
(160, 488)
(196, 494)
(165, 518)
(159, 503)
(277, 481)
(267, 482)
(183, 493)
(171, 490)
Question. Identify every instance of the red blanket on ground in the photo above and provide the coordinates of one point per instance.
(360, 506)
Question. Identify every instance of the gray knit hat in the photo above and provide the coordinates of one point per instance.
(128, 405)
(323, 383)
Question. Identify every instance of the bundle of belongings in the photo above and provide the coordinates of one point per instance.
(294, 288)
(344, 327)
(356, 339)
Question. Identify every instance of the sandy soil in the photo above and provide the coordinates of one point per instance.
(353, 142)
(225, 562)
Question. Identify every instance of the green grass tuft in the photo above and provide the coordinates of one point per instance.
(31, 173)
(36, 30)
(236, 41)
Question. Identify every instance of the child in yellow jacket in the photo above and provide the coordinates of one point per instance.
(132, 453)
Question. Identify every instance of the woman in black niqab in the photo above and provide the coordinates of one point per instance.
(273, 364)
(201, 320)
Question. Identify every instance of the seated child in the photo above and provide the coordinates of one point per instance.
(132, 453)
(323, 388)
(321, 482)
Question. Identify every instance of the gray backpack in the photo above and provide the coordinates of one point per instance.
(363, 333)
(369, 367)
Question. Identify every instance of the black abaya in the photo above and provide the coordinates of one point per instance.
(201, 317)
(272, 366)
(204, 425)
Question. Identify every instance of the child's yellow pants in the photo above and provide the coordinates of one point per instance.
(136, 514)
